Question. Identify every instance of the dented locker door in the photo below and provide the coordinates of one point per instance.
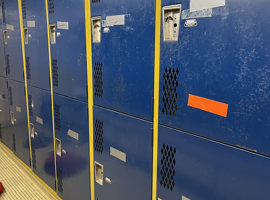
(194, 168)
(13, 52)
(5, 127)
(41, 133)
(18, 117)
(36, 43)
(123, 156)
(68, 48)
(214, 78)
(72, 148)
(123, 55)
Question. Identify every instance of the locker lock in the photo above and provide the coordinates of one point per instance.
(99, 173)
(96, 27)
(32, 130)
(12, 118)
(5, 36)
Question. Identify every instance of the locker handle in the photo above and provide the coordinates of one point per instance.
(99, 173)
(52, 34)
(32, 130)
(12, 118)
(58, 147)
(5, 36)
(25, 31)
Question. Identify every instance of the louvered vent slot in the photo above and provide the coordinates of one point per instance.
(98, 83)
(51, 6)
(24, 9)
(57, 118)
(34, 159)
(7, 64)
(55, 72)
(99, 136)
(10, 96)
(13, 142)
(95, 1)
(60, 180)
(4, 12)
(30, 107)
(0, 131)
(28, 67)
(170, 95)
(167, 167)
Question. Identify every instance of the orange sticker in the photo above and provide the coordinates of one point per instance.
(208, 105)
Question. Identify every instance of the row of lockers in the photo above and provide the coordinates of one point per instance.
(213, 97)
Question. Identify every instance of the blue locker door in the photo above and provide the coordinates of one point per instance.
(2, 49)
(72, 148)
(69, 51)
(200, 169)
(5, 127)
(14, 62)
(221, 60)
(18, 115)
(36, 43)
(123, 156)
(123, 55)
(41, 134)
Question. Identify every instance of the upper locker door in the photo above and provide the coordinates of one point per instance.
(68, 48)
(2, 49)
(36, 43)
(214, 78)
(123, 55)
(12, 37)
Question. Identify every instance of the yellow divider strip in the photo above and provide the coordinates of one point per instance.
(25, 77)
(90, 92)
(156, 97)
(51, 84)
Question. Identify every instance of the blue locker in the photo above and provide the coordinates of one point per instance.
(123, 55)
(193, 168)
(5, 123)
(223, 56)
(2, 49)
(72, 148)
(123, 156)
(68, 48)
(41, 132)
(13, 53)
(18, 118)
(36, 43)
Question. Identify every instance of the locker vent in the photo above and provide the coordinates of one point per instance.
(3, 12)
(28, 67)
(95, 1)
(0, 131)
(57, 119)
(30, 101)
(7, 64)
(60, 180)
(55, 72)
(51, 6)
(10, 96)
(34, 159)
(170, 95)
(98, 83)
(167, 167)
(99, 136)
(13, 142)
(24, 9)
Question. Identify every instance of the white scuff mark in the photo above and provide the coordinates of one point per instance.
(31, 24)
(196, 5)
(62, 25)
(73, 134)
(18, 109)
(39, 120)
(114, 20)
(186, 14)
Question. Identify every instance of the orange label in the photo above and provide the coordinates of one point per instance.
(208, 105)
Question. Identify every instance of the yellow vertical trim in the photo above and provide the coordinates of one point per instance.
(156, 97)
(25, 77)
(51, 84)
(90, 92)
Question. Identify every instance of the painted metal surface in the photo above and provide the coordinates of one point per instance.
(13, 53)
(41, 134)
(2, 47)
(36, 49)
(19, 128)
(207, 170)
(127, 175)
(68, 52)
(224, 58)
(71, 128)
(123, 62)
